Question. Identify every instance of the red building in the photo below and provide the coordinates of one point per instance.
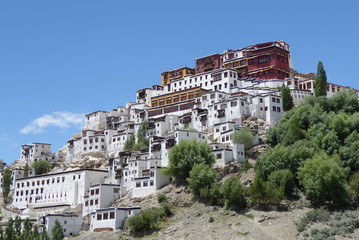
(208, 63)
(270, 60)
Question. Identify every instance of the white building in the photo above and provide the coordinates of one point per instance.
(111, 218)
(51, 192)
(96, 120)
(150, 181)
(36, 151)
(100, 196)
(71, 223)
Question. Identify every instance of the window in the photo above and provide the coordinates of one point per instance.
(278, 109)
(65, 222)
(274, 109)
(86, 203)
(151, 183)
(97, 191)
(92, 192)
(278, 100)
(96, 202)
(105, 216)
(112, 215)
(138, 184)
(115, 190)
(99, 216)
(91, 202)
(145, 183)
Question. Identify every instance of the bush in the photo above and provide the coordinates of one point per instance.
(233, 193)
(323, 179)
(265, 193)
(282, 178)
(161, 198)
(149, 219)
(211, 219)
(41, 167)
(316, 215)
(243, 136)
(202, 178)
(354, 186)
(185, 155)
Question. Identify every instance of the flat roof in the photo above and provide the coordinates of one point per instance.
(59, 173)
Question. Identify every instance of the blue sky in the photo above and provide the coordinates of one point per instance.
(62, 59)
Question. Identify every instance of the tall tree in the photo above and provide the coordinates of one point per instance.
(320, 83)
(57, 231)
(287, 99)
(6, 182)
(41, 167)
(185, 155)
(26, 170)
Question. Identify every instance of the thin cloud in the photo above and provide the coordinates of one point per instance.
(61, 120)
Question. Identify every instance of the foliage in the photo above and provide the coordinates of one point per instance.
(211, 219)
(6, 182)
(243, 136)
(26, 170)
(130, 142)
(265, 193)
(57, 231)
(142, 132)
(185, 155)
(17, 226)
(41, 167)
(161, 198)
(354, 186)
(287, 99)
(323, 179)
(316, 215)
(233, 192)
(9, 231)
(285, 157)
(320, 83)
(349, 153)
(149, 219)
(282, 178)
(202, 177)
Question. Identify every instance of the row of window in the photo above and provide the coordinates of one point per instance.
(96, 140)
(145, 184)
(106, 216)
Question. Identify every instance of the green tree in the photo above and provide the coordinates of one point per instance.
(185, 155)
(27, 230)
(324, 180)
(6, 182)
(354, 186)
(287, 99)
(41, 167)
(142, 132)
(26, 170)
(233, 192)
(345, 101)
(9, 230)
(282, 178)
(17, 226)
(320, 83)
(202, 178)
(265, 192)
(130, 142)
(35, 235)
(243, 136)
(43, 235)
(57, 231)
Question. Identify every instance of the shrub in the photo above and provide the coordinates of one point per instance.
(185, 155)
(354, 185)
(161, 198)
(282, 178)
(41, 167)
(149, 219)
(265, 193)
(323, 179)
(233, 192)
(316, 215)
(243, 136)
(202, 178)
(211, 219)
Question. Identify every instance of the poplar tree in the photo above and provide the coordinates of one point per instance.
(320, 83)
(6, 182)
(287, 99)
